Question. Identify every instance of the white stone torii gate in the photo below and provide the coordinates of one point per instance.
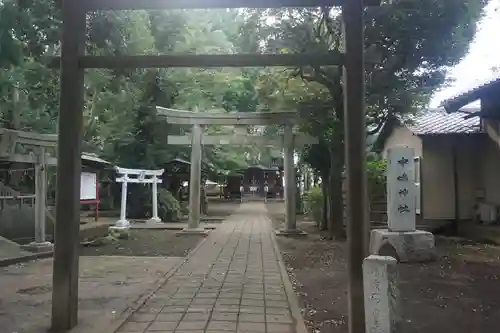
(196, 139)
(139, 176)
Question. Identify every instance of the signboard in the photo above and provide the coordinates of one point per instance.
(88, 186)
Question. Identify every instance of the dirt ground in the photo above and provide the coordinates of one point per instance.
(113, 277)
(157, 242)
(221, 208)
(149, 243)
(458, 293)
(108, 286)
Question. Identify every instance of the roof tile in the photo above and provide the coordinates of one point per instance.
(457, 102)
(437, 121)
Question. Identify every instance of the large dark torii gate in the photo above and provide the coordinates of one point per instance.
(72, 63)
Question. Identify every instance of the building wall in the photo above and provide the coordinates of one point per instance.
(476, 161)
(437, 178)
(439, 166)
(469, 164)
(403, 136)
(489, 180)
(18, 224)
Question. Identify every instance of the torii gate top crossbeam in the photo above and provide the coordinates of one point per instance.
(227, 118)
(91, 5)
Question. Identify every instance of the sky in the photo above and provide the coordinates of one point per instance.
(484, 54)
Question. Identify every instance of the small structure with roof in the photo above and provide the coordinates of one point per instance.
(257, 178)
(456, 164)
(92, 168)
(176, 175)
(483, 178)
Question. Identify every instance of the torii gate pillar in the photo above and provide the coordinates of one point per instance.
(290, 187)
(195, 184)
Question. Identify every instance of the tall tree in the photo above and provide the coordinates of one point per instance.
(417, 41)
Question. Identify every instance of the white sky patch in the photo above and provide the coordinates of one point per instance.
(479, 65)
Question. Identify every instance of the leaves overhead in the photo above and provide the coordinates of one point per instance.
(416, 40)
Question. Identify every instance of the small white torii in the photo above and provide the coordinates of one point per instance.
(140, 177)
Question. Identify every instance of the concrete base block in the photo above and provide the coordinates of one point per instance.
(193, 231)
(122, 224)
(407, 246)
(38, 247)
(154, 220)
(290, 232)
(119, 232)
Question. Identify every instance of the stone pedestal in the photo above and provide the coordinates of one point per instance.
(291, 233)
(154, 220)
(193, 231)
(407, 246)
(121, 223)
(38, 247)
(120, 232)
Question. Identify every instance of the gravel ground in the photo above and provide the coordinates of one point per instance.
(459, 291)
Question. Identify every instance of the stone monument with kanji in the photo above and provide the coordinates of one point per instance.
(401, 239)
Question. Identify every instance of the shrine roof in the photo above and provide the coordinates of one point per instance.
(432, 122)
(456, 103)
(93, 161)
(260, 167)
(438, 121)
(178, 160)
(94, 158)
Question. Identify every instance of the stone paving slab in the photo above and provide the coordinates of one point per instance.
(234, 282)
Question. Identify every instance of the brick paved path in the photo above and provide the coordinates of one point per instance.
(232, 283)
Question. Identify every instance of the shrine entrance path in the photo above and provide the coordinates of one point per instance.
(235, 281)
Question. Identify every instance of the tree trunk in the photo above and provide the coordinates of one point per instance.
(336, 219)
(324, 189)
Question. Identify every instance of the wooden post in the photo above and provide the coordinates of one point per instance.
(355, 151)
(41, 194)
(290, 180)
(195, 178)
(70, 127)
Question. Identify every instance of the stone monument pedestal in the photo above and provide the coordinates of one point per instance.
(193, 231)
(120, 232)
(38, 247)
(405, 246)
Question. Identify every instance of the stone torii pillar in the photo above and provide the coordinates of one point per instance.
(195, 183)
(290, 186)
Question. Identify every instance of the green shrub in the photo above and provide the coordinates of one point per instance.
(376, 174)
(169, 208)
(140, 204)
(313, 200)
